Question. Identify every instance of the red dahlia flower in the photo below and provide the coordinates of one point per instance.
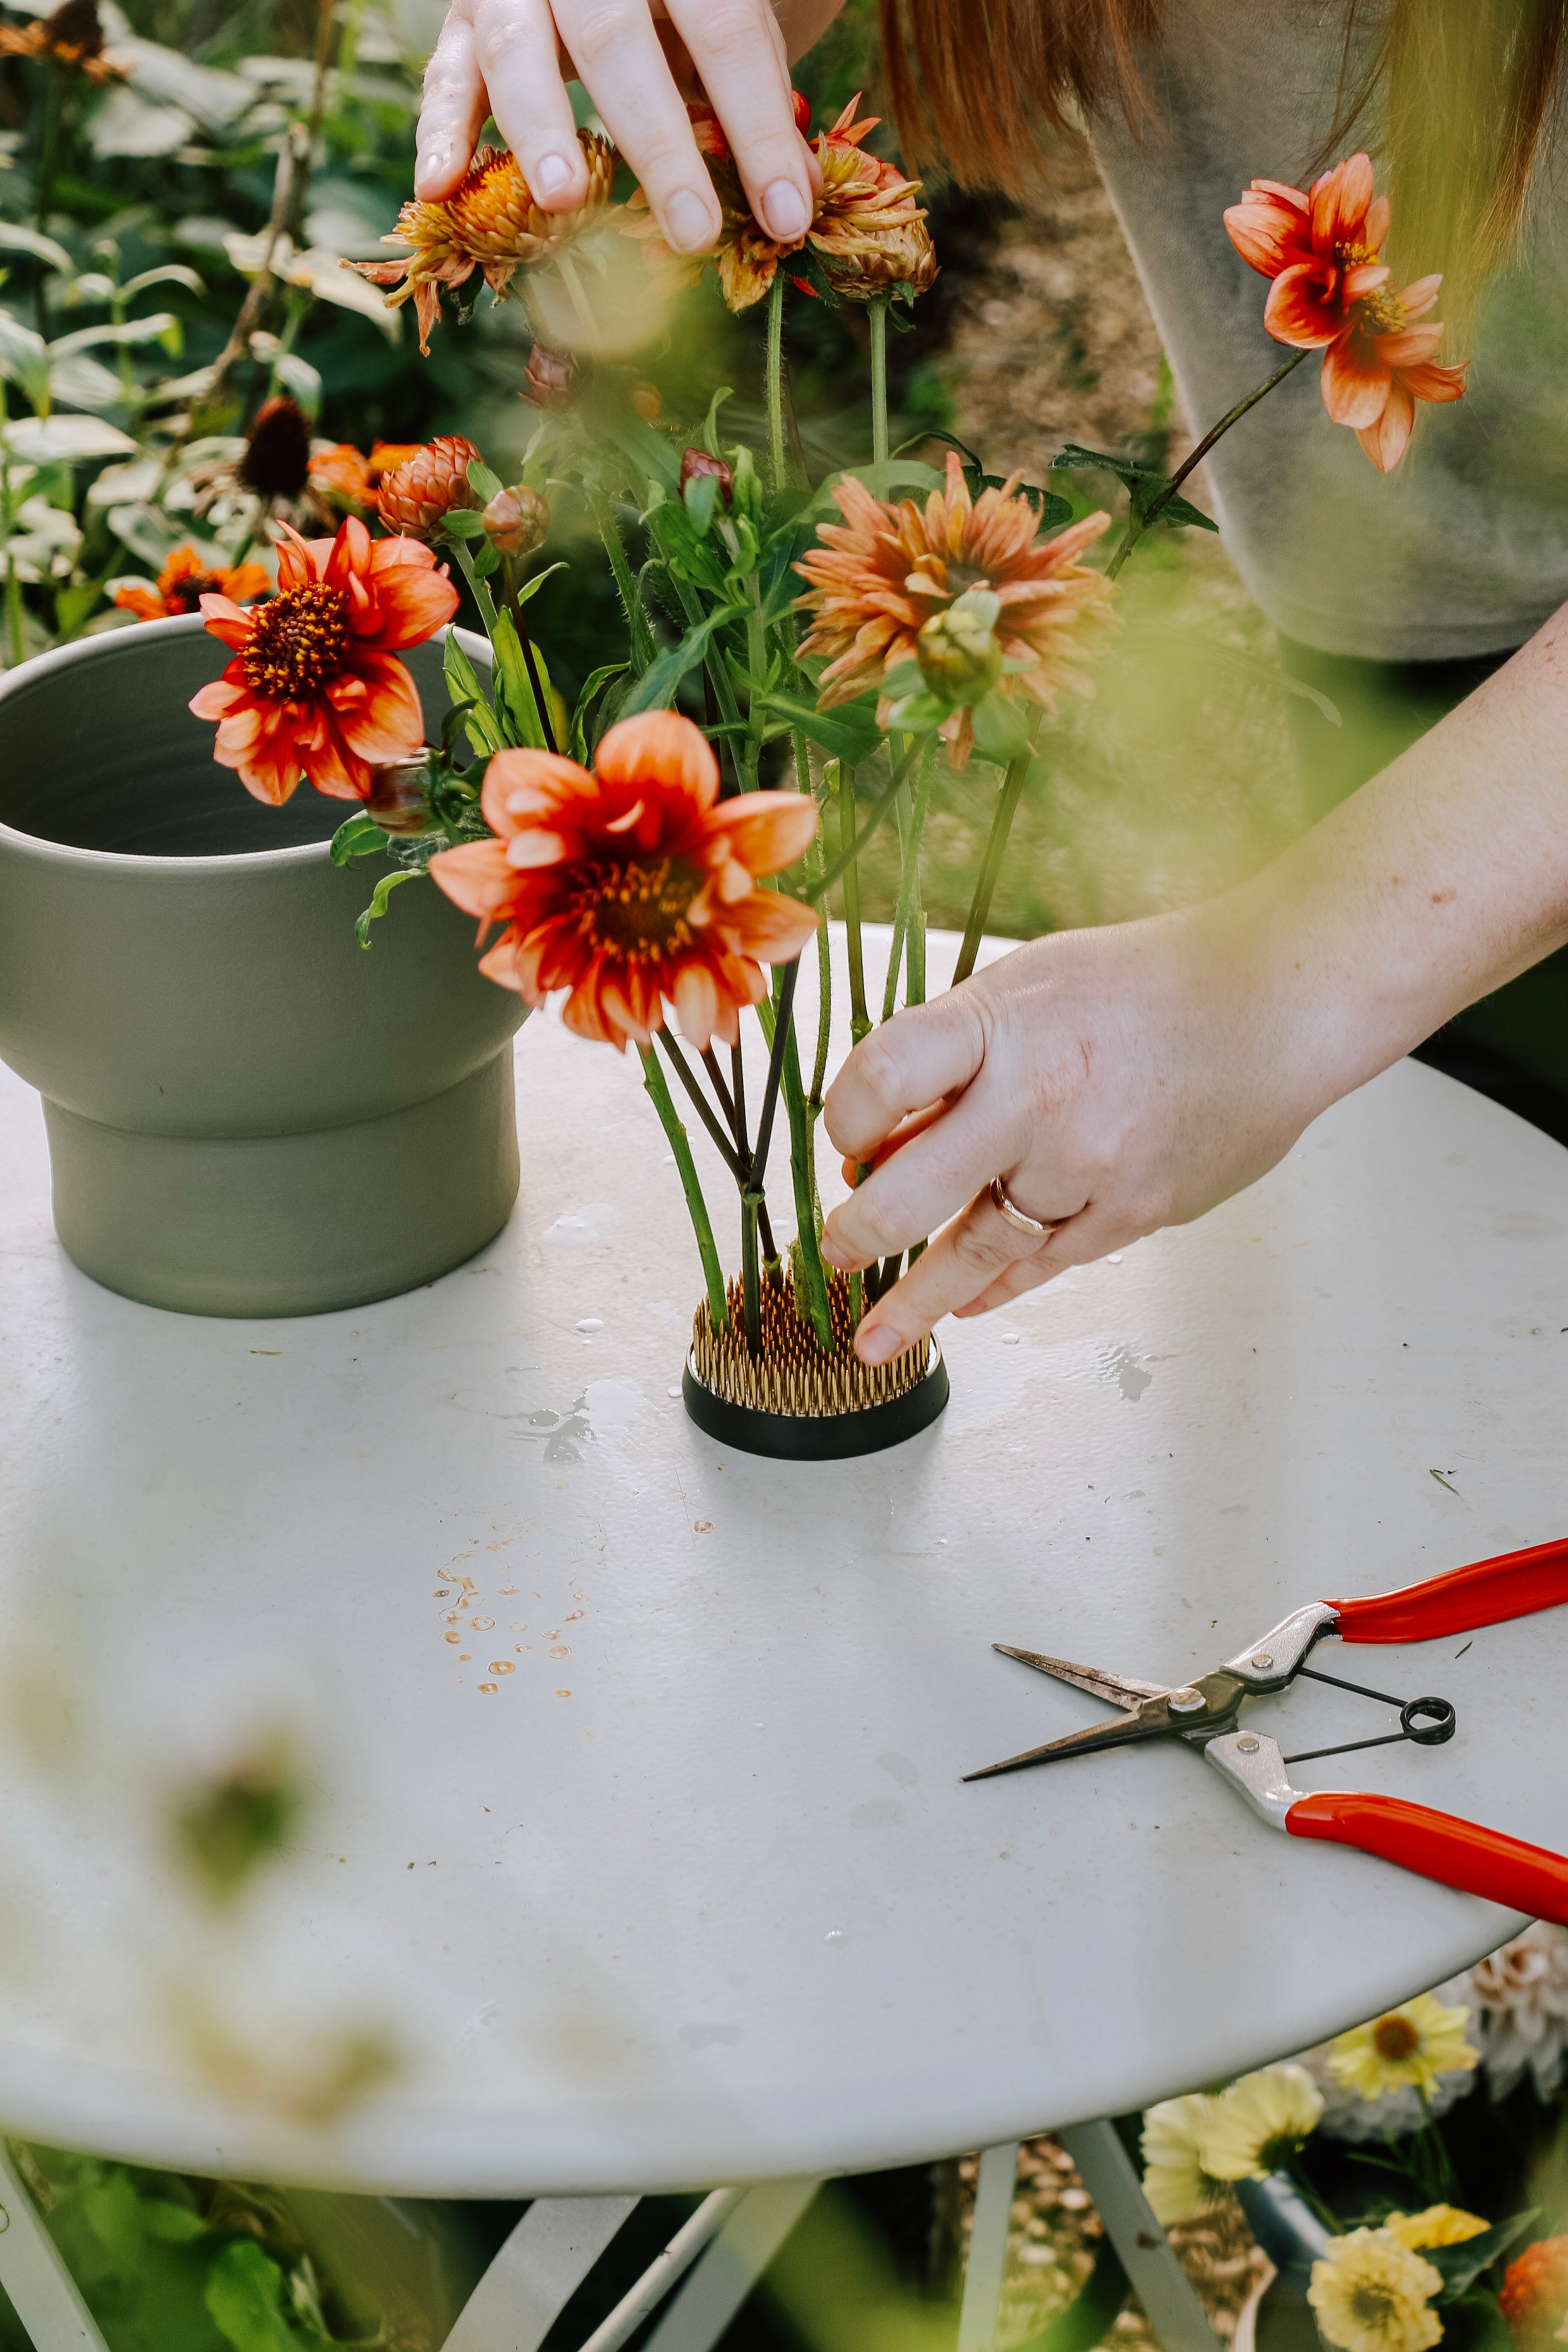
(633, 884)
(315, 687)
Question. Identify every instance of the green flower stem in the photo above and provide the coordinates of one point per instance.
(859, 1019)
(636, 619)
(574, 286)
(1138, 524)
(879, 325)
(813, 1280)
(515, 607)
(750, 1272)
(906, 911)
(775, 377)
(687, 1076)
(480, 588)
(824, 883)
(715, 667)
(995, 848)
(658, 1094)
(1296, 2173)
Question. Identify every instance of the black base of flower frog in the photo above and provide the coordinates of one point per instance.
(818, 1437)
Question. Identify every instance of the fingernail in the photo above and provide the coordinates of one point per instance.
(432, 161)
(550, 171)
(834, 1251)
(687, 221)
(875, 1346)
(784, 209)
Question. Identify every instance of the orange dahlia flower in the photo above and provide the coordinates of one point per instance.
(489, 222)
(184, 580)
(315, 687)
(1534, 2294)
(345, 474)
(865, 216)
(1331, 292)
(634, 884)
(882, 574)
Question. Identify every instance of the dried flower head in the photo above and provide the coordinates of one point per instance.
(415, 497)
(1372, 2294)
(184, 580)
(72, 38)
(863, 218)
(517, 520)
(553, 379)
(276, 460)
(633, 886)
(491, 222)
(878, 577)
(315, 687)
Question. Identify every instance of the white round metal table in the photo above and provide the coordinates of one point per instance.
(636, 1845)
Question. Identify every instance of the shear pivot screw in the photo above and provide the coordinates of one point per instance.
(1246, 1745)
(1187, 1702)
(1263, 1659)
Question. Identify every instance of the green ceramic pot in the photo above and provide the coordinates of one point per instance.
(248, 1113)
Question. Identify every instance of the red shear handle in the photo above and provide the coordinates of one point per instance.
(1514, 1585)
(1435, 1845)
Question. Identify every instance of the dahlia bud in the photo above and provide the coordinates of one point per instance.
(415, 497)
(957, 650)
(648, 402)
(398, 801)
(554, 378)
(696, 465)
(276, 463)
(517, 520)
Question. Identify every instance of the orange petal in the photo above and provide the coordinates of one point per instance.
(475, 877)
(1409, 346)
(501, 963)
(406, 606)
(1385, 440)
(659, 747)
(350, 559)
(1340, 202)
(1418, 297)
(377, 706)
(1266, 231)
(386, 554)
(1429, 382)
(541, 780)
(766, 830)
(217, 699)
(297, 566)
(768, 925)
(696, 999)
(225, 621)
(1354, 382)
(1301, 310)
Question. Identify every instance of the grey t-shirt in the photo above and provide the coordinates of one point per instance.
(1463, 549)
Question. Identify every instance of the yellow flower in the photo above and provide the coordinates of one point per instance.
(1176, 2182)
(489, 222)
(1440, 2225)
(1258, 2125)
(1413, 2043)
(1372, 2294)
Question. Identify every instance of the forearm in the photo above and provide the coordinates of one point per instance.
(1440, 879)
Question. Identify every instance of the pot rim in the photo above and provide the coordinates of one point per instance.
(244, 861)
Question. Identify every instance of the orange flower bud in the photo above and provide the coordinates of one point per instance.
(397, 795)
(696, 463)
(517, 520)
(648, 402)
(416, 494)
(554, 378)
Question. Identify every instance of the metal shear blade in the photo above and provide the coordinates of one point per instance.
(1151, 1710)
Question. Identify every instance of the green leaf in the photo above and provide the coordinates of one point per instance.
(73, 605)
(701, 493)
(463, 686)
(1461, 2265)
(1143, 483)
(377, 906)
(245, 2300)
(1180, 516)
(531, 588)
(919, 713)
(486, 561)
(849, 734)
(516, 705)
(1000, 733)
(357, 836)
(14, 239)
(883, 481)
(653, 458)
(485, 483)
(462, 522)
(577, 746)
(1126, 469)
(711, 422)
(656, 690)
(173, 2225)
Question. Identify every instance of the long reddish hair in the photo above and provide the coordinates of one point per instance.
(1469, 90)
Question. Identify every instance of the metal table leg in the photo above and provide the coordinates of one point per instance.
(48, 2300)
(731, 2267)
(987, 2248)
(536, 2273)
(1169, 2299)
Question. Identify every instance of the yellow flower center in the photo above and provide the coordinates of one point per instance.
(1394, 2037)
(297, 642)
(1353, 257)
(635, 911)
(1381, 313)
(1374, 2305)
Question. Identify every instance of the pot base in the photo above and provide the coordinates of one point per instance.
(289, 1224)
(817, 1437)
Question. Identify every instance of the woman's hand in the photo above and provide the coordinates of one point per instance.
(511, 58)
(1117, 1080)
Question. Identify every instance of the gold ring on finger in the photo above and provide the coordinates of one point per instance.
(1037, 1228)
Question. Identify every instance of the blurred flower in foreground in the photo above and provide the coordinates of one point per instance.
(72, 38)
(635, 884)
(1521, 1999)
(184, 580)
(864, 219)
(231, 1822)
(553, 379)
(1534, 2292)
(315, 685)
(1331, 292)
(417, 496)
(877, 578)
(276, 460)
(1372, 2294)
(348, 479)
(1411, 2045)
(1439, 2225)
(1257, 2126)
(490, 222)
(1176, 2180)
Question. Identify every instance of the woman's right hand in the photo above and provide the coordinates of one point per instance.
(513, 59)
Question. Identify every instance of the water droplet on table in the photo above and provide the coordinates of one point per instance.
(591, 1323)
(674, 1391)
(1011, 1339)
(1114, 1258)
(834, 1935)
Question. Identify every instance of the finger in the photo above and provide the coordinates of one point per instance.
(1078, 1242)
(738, 50)
(621, 64)
(922, 1053)
(918, 1189)
(961, 1266)
(897, 1140)
(519, 57)
(452, 110)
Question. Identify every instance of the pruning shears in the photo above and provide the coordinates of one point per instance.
(1206, 1714)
